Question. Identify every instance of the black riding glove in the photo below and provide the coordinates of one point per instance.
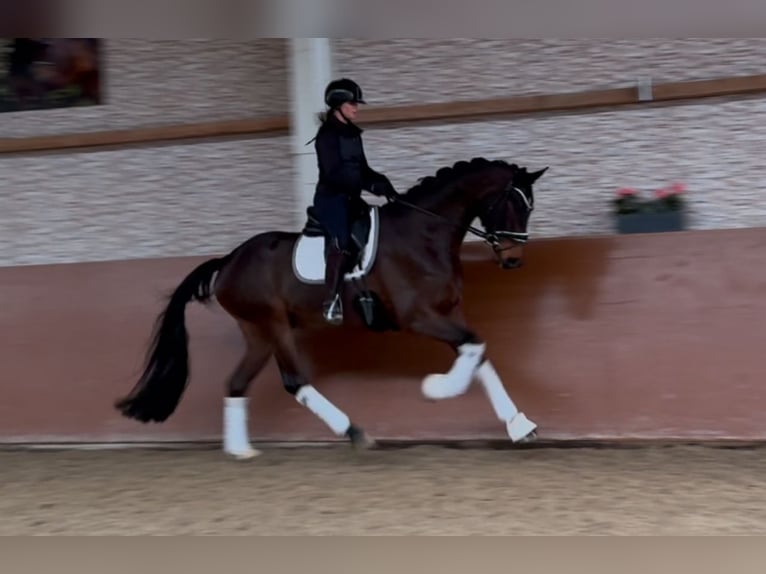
(390, 193)
(385, 189)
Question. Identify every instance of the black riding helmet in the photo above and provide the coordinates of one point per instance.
(343, 90)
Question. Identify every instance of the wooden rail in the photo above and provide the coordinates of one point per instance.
(203, 130)
(447, 111)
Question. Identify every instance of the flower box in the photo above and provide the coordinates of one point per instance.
(650, 222)
(665, 212)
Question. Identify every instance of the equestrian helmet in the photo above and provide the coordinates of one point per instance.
(341, 91)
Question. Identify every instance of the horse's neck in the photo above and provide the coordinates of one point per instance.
(455, 205)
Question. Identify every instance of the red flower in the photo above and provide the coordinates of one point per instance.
(677, 188)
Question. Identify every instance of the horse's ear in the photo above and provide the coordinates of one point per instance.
(535, 175)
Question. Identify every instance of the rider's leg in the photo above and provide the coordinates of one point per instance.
(335, 217)
(336, 267)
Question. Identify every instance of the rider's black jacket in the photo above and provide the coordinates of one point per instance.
(343, 167)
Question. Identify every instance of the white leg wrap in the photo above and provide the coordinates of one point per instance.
(493, 386)
(332, 416)
(517, 424)
(519, 427)
(235, 433)
(458, 379)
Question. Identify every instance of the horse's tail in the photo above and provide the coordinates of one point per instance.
(159, 389)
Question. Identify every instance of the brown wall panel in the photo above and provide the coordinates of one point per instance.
(644, 336)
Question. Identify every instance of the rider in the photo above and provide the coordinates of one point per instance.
(343, 174)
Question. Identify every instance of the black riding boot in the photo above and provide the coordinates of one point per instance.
(334, 272)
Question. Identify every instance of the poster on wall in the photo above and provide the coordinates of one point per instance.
(44, 73)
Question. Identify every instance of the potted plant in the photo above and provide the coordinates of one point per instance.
(664, 212)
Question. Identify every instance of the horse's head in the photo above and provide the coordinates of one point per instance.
(499, 194)
(505, 211)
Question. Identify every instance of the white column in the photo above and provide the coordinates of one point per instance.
(310, 72)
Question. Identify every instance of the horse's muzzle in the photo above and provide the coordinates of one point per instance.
(511, 263)
(509, 253)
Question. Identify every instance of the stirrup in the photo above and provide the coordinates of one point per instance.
(333, 311)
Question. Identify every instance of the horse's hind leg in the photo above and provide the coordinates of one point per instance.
(295, 381)
(236, 440)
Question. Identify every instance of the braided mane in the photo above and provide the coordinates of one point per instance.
(445, 176)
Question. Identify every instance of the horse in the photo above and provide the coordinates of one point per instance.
(406, 277)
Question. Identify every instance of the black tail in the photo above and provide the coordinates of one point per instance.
(158, 391)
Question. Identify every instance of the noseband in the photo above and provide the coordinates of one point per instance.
(494, 237)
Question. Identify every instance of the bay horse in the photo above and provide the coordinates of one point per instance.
(407, 277)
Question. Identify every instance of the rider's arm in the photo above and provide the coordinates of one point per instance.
(374, 181)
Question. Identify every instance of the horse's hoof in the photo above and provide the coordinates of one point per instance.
(245, 454)
(360, 440)
(521, 429)
(365, 443)
(531, 437)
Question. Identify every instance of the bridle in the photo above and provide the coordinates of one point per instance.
(492, 237)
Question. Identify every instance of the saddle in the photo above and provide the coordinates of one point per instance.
(360, 230)
(309, 262)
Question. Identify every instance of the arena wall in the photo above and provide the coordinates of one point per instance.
(184, 198)
(158, 200)
(655, 336)
(713, 146)
(599, 336)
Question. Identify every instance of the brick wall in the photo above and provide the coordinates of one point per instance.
(715, 147)
(154, 83)
(205, 197)
(160, 200)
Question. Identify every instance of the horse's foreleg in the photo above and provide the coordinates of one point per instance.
(236, 440)
(517, 424)
(296, 382)
(470, 363)
(468, 346)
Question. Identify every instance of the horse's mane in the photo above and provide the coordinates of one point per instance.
(445, 176)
